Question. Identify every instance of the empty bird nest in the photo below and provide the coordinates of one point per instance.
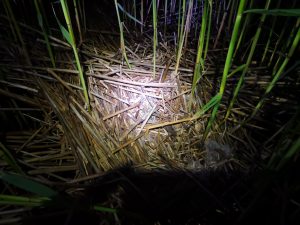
(136, 116)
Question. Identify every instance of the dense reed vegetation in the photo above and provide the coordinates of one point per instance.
(202, 74)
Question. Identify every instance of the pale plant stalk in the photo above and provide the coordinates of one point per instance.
(283, 49)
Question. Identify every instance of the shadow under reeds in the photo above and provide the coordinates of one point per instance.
(182, 197)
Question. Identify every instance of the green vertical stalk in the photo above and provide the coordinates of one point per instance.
(249, 60)
(227, 66)
(268, 41)
(199, 64)
(210, 9)
(278, 42)
(242, 33)
(73, 44)
(154, 11)
(182, 22)
(283, 49)
(181, 36)
(122, 42)
(280, 38)
(280, 70)
(288, 145)
(45, 34)
(270, 36)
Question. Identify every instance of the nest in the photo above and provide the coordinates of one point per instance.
(136, 116)
(140, 117)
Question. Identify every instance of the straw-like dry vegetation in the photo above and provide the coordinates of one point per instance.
(157, 93)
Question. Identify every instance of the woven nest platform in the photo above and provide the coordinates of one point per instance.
(135, 118)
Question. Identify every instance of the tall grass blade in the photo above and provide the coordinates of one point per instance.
(284, 49)
(199, 64)
(210, 9)
(104, 209)
(213, 101)
(227, 64)
(289, 144)
(28, 184)
(295, 148)
(243, 30)
(181, 36)
(270, 36)
(276, 12)
(280, 70)
(122, 42)
(248, 62)
(236, 70)
(22, 200)
(69, 35)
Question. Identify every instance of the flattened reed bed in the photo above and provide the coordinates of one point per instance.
(134, 116)
(181, 107)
